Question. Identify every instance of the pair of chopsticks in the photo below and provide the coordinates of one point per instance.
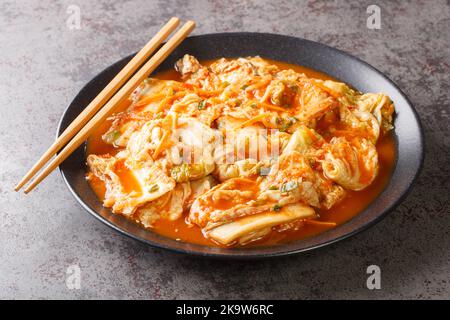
(108, 99)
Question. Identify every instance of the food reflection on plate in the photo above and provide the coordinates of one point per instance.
(241, 152)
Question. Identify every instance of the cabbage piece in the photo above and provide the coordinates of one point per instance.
(247, 228)
(151, 212)
(178, 200)
(143, 142)
(150, 183)
(330, 193)
(142, 109)
(170, 206)
(380, 106)
(103, 167)
(187, 172)
(346, 94)
(370, 113)
(187, 65)
(352, 164)
(363, 121)
(293, 176)
(241, 168)
(314, 103)
(225, 202)
(241, 70)
(190, 142)
(303, 140)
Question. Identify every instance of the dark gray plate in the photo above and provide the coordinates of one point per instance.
(307, 53)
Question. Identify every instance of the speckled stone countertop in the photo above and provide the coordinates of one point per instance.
(44, 63)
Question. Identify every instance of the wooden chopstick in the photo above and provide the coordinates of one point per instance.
(119, 97)
(102, 98)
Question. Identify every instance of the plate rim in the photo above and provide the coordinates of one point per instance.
(252, 256)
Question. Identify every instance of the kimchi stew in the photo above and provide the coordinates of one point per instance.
(242, 152)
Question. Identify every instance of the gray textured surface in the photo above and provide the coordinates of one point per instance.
(43, 65)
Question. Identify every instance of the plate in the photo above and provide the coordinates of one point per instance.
(338, 64)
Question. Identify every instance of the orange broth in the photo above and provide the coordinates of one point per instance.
(354, 202)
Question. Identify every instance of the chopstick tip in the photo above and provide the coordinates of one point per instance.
(20, 184)
(30, 187)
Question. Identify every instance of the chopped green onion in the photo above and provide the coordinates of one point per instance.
(112, 136)
(289, 186)
(237, 102)
(276, 207)
(201, 105)
(262, 171)
(116, 135)
(154, 188)
(286, 123)
(273, 188)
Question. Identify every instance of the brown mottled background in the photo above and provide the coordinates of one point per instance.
(43, 65)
